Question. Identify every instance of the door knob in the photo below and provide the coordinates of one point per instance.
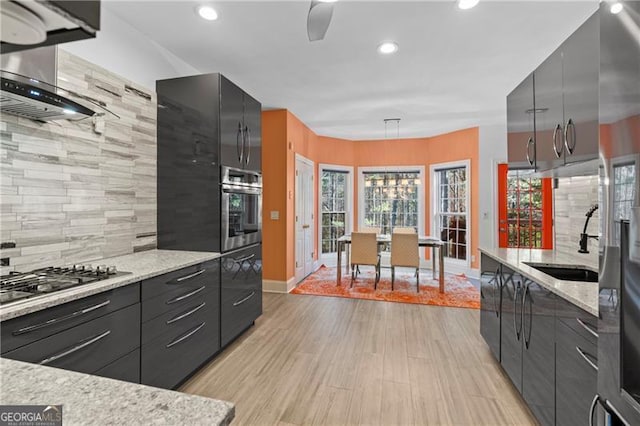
(305, 226)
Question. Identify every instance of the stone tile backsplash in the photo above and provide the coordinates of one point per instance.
(572, 199)
(70, 194)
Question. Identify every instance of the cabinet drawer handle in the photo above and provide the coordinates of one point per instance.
(186, 336)
(244, 259)
(558, 131)
(188, 277)
(186, 314)
(586, 358)
(58, 320)
(587, 327)
(248, 153)
(530, 142)
(239, 145)
(79, 346)
(241, 301)
(185, 296)
(570, 129)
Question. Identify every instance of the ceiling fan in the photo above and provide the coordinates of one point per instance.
(319, 18)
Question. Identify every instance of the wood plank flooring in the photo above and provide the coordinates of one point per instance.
(332, 361)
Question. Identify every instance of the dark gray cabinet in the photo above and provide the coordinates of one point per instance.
(188, 168)
(39, 325)
(552, 116)
(87, 347)
(581, 70)
(549, 113)
(547, 346)
(240, 128)
(538, 355)
(490, 303)
(241, 297)
(126, 368)
(576, 376)
(180, 323)
(512, 326)
(98, 334)
(521, 126)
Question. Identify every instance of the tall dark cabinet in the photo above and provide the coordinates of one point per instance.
(204, 121)
(240, 128)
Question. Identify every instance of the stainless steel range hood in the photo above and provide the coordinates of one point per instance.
(28, 88)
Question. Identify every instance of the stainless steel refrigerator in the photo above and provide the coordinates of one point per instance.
(618, 399)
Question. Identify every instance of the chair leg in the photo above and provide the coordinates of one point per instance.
(353, 275)
(417, 280)
(393, 276)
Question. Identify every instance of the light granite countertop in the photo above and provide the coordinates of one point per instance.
(88, 399)
(142, 265)
(582, 294)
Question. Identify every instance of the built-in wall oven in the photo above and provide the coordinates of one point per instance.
(241, 203)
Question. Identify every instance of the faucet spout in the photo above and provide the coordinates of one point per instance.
(584, 237)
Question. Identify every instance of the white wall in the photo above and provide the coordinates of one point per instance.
(493, 150)
(123, 50)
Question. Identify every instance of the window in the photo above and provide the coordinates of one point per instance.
(391, 199)
(525, 210)
(451, 210)
(334, 208)
(624, 193)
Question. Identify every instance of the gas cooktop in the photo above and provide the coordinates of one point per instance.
(22, 285)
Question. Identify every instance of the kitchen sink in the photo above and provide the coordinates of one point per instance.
(567, 273)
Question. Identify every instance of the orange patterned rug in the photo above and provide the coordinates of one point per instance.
(459, 292)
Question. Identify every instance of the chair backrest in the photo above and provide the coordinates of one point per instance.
(404, 230)
(364, 248)
(404, 250)
(369, 230)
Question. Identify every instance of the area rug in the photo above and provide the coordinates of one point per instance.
(459, 292)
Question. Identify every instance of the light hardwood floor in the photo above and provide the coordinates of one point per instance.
(324, 360)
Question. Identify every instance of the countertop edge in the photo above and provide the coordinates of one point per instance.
(87, 396)
(40, 303)
(542, 279)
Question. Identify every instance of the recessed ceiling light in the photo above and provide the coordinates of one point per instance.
(467, 4)
(616, 8)
(388, 47)
(327, 1)
(208, 13)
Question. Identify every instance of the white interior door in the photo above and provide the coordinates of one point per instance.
(304, 218)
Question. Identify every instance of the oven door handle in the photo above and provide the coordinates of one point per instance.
(237, 190)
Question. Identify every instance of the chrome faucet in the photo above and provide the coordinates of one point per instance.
(584, 237)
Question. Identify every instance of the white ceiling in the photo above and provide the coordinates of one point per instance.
(453, 70)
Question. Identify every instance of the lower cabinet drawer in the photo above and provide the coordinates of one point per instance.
(576, 376)
(87, 347)
(192, 311)
(126, 368)
(240, 308)
(167, 360)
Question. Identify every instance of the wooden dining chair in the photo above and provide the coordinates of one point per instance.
(404, 230)
(364, 251)
(369, 230)
(404, 253)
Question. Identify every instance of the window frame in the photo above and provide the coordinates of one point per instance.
(349, 198)
(391, 169)
(450, 263)
(609, 221)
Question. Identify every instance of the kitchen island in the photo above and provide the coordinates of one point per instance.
(89, 399)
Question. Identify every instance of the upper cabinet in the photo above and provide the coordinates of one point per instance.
(240, 128)
(549, 113)
(580, 70)
(564, 110)
(521, 126)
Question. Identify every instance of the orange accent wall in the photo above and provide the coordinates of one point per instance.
(284, 135)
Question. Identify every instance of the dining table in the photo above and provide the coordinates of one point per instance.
(423, 241)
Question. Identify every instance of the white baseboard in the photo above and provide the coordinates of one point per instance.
(274, 286)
